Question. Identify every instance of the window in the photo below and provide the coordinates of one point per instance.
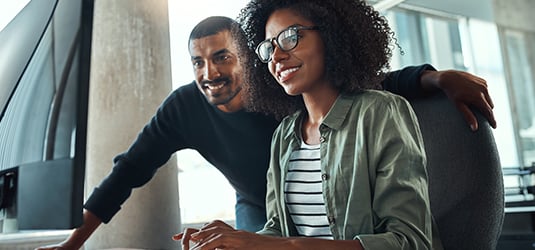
(519, 61)
(426, 39)
(456, 42)
(519, 50)
(8, 11)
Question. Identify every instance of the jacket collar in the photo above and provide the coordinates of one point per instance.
(334, 119)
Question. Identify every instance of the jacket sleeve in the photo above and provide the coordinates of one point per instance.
(406, 82)
(400, 196)
(273, 225)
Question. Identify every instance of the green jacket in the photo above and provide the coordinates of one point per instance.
(373, 167)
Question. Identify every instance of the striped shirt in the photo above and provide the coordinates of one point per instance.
(303, 193)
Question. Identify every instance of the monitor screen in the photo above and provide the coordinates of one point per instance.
(44, 84)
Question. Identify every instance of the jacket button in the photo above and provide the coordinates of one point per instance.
(331, 220)
(322, 139)
(324, 177)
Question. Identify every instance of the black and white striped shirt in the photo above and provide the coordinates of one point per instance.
(303, 193)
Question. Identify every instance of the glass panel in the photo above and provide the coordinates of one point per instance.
(198, 204)
(10, 9)
(21, 141)
(408, 32)
(426, 39)
(519, 51)
(483, 37)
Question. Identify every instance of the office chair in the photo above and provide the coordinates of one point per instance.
(465, 176)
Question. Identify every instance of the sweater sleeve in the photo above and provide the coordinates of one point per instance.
(406, 82)
(152, 148)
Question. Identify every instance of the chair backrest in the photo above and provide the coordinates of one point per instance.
(465, 176)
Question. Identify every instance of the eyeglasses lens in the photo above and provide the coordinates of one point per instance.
(286, 41)
(264, 51)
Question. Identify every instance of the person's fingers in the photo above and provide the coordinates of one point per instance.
(488, 104)
(216, 223)
(178, 237)
(468, 116)
(485, 107)
(185, 245)
(212, 241)
(488, 99)
(490, 117)
(203, 234)
(478, 80)
(210, 231)
(185, 237)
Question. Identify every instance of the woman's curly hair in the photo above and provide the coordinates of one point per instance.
(357, 40)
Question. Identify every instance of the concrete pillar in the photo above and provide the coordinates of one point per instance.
(130, 77)
(515, 14)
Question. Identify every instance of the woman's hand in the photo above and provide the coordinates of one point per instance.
(219, 235)
(185, 237)
(190, 234)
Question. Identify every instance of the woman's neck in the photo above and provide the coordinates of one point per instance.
(317, 106)
(319, 103)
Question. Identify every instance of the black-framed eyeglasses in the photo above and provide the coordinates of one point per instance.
(286, 40)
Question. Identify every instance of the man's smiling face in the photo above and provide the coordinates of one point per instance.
(217, 70)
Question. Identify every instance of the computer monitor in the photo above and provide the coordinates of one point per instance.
(44, 84)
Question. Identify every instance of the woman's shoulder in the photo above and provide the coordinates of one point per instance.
(290, 120)
(380, 96)
(288, 124)
(379, 100)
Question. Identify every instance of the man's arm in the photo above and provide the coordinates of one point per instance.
(79, 235)
(152, 148)
(462, 88)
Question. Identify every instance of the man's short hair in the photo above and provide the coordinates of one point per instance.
(211, 26)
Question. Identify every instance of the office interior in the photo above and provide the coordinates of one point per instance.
(493, 39)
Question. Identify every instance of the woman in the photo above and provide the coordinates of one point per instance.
(347, 167)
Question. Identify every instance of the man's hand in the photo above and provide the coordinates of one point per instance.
(79, 235)
(60, 246)
(464, 90)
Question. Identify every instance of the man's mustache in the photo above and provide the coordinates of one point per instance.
(216, 81)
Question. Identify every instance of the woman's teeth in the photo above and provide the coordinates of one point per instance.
(286, 72)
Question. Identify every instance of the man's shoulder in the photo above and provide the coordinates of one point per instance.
(187, 89)
(185, 93)
(183, 98)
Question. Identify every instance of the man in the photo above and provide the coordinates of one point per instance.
(208, 115)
